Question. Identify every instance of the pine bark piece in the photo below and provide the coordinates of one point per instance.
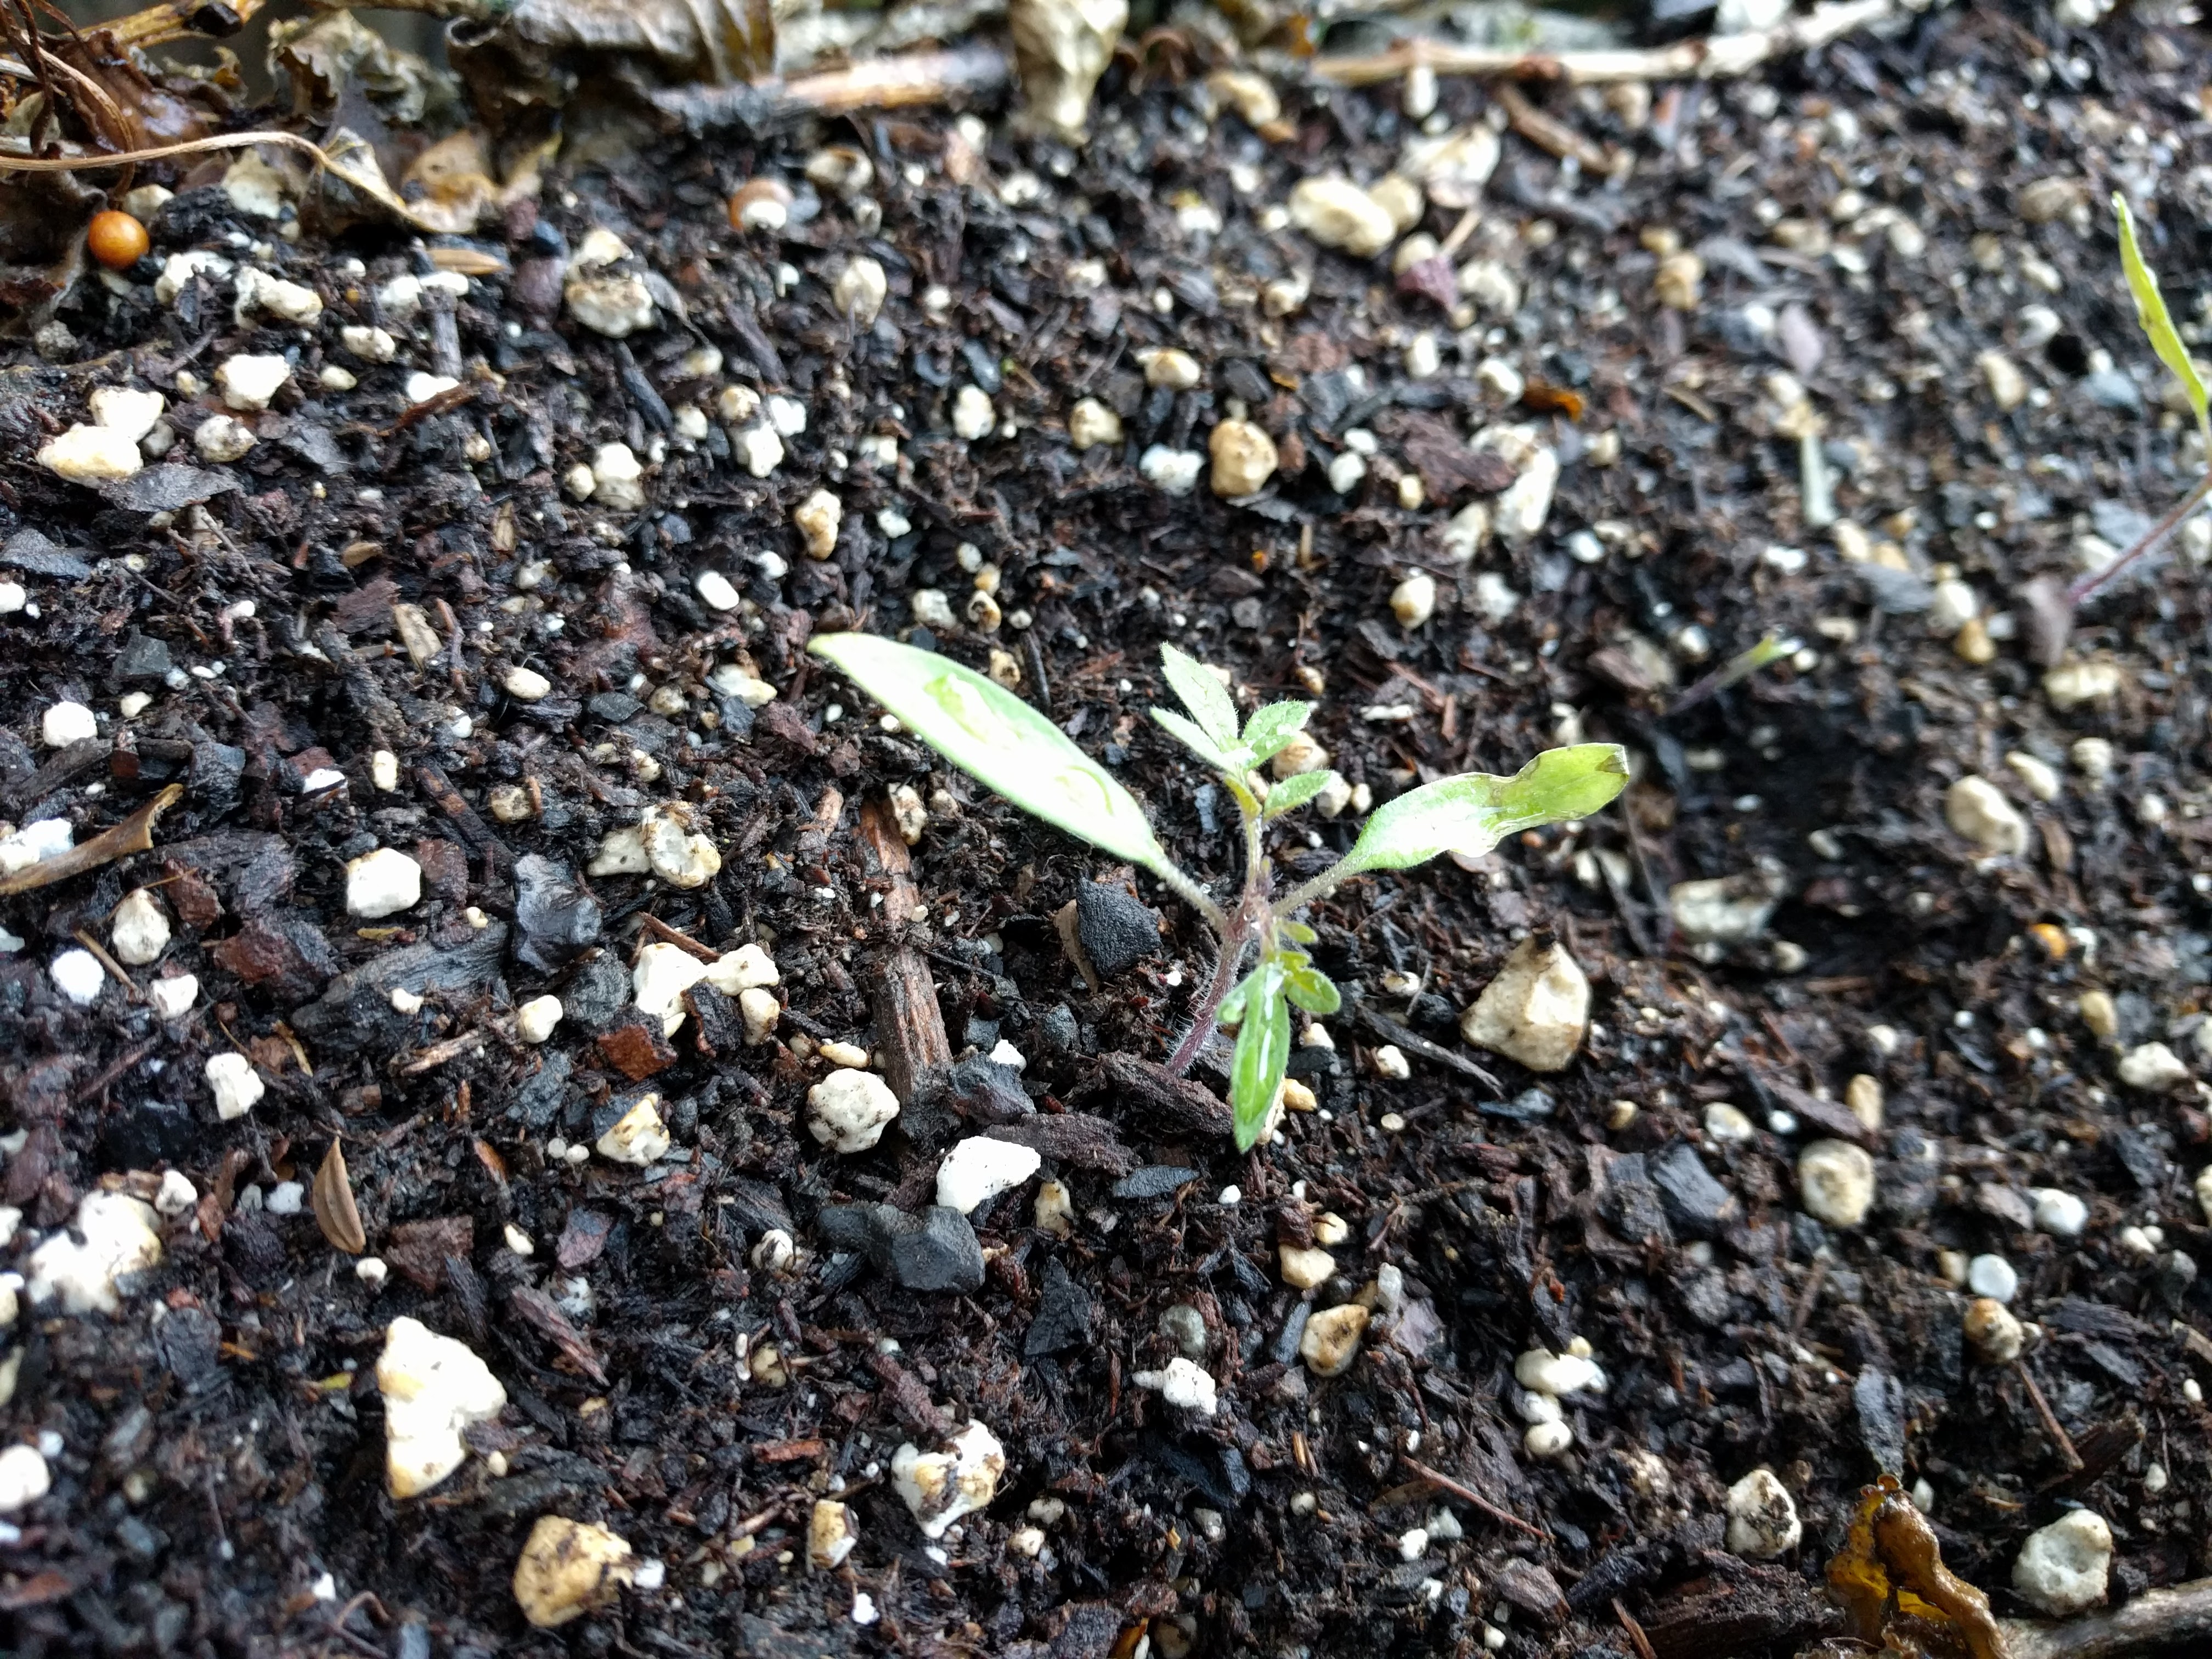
(909, 1026)
(1147, 1093)
(637, 1048)
(1757, 1608)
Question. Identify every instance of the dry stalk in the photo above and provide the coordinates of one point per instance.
(1713, 57)
(2176, 1620)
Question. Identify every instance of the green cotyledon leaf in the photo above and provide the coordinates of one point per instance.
(996, 737)
(2151, 314)
(1194, 736)
(1472, 812)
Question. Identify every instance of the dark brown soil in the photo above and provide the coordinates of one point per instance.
(222, 1439)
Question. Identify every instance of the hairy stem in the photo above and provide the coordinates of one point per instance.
(1306, 892)
(1238, 929)
(1255, 859)
(2096, 580)
(1209, 1003)
(1193, 895)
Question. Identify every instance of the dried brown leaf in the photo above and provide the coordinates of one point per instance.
(335, 1212)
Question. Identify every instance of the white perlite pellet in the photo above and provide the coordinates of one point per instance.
(382, 883)
(1762, 1518)
(66, 723)
(979, 1169)
(78, 976)
(847, 1110)
(434, 1387)
(236, 1084)
(139, 931)
(1182, 1384)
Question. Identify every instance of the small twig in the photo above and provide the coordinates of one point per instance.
(1414, 1043)
(365, 1599)
(438, 1053)
(1711, 58)
(1547, 132)
(2051, 1424)
(453, 397)
(134, 834)
(83, 937)
(649, 923)
(453, 627)
(1453, 240)
(755, 1524)
(901, 80)
(2152, 1621)
(117, 1067)
(12, 162)
(157, 25)
(1635, 1630)
(1467, 1496)
(1806, 1303)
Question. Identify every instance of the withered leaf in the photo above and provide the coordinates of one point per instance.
(335, 1212)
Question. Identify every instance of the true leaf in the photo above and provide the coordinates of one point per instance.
(1313, 991)
(1193, 738)
(1271, 726)
(1263, 1053)
(2151, 313)
(1201, 692)
(1298, 933)
(1293, 793)
(1471, 813)
(994, 735)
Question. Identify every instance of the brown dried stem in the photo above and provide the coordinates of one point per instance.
(1713, 57)
(14, 161)
(2156, 1621)
(134, 834)
(172, 21)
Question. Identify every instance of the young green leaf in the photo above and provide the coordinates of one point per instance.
(1271, 726)
(1201, 692)
(2151, 313)
(1297, 931)
(1191, 737)
(1313, 991)
(1232, 1005)
(1472, 812)
(1263, 1055)
(1295, 792)
(994, 735)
